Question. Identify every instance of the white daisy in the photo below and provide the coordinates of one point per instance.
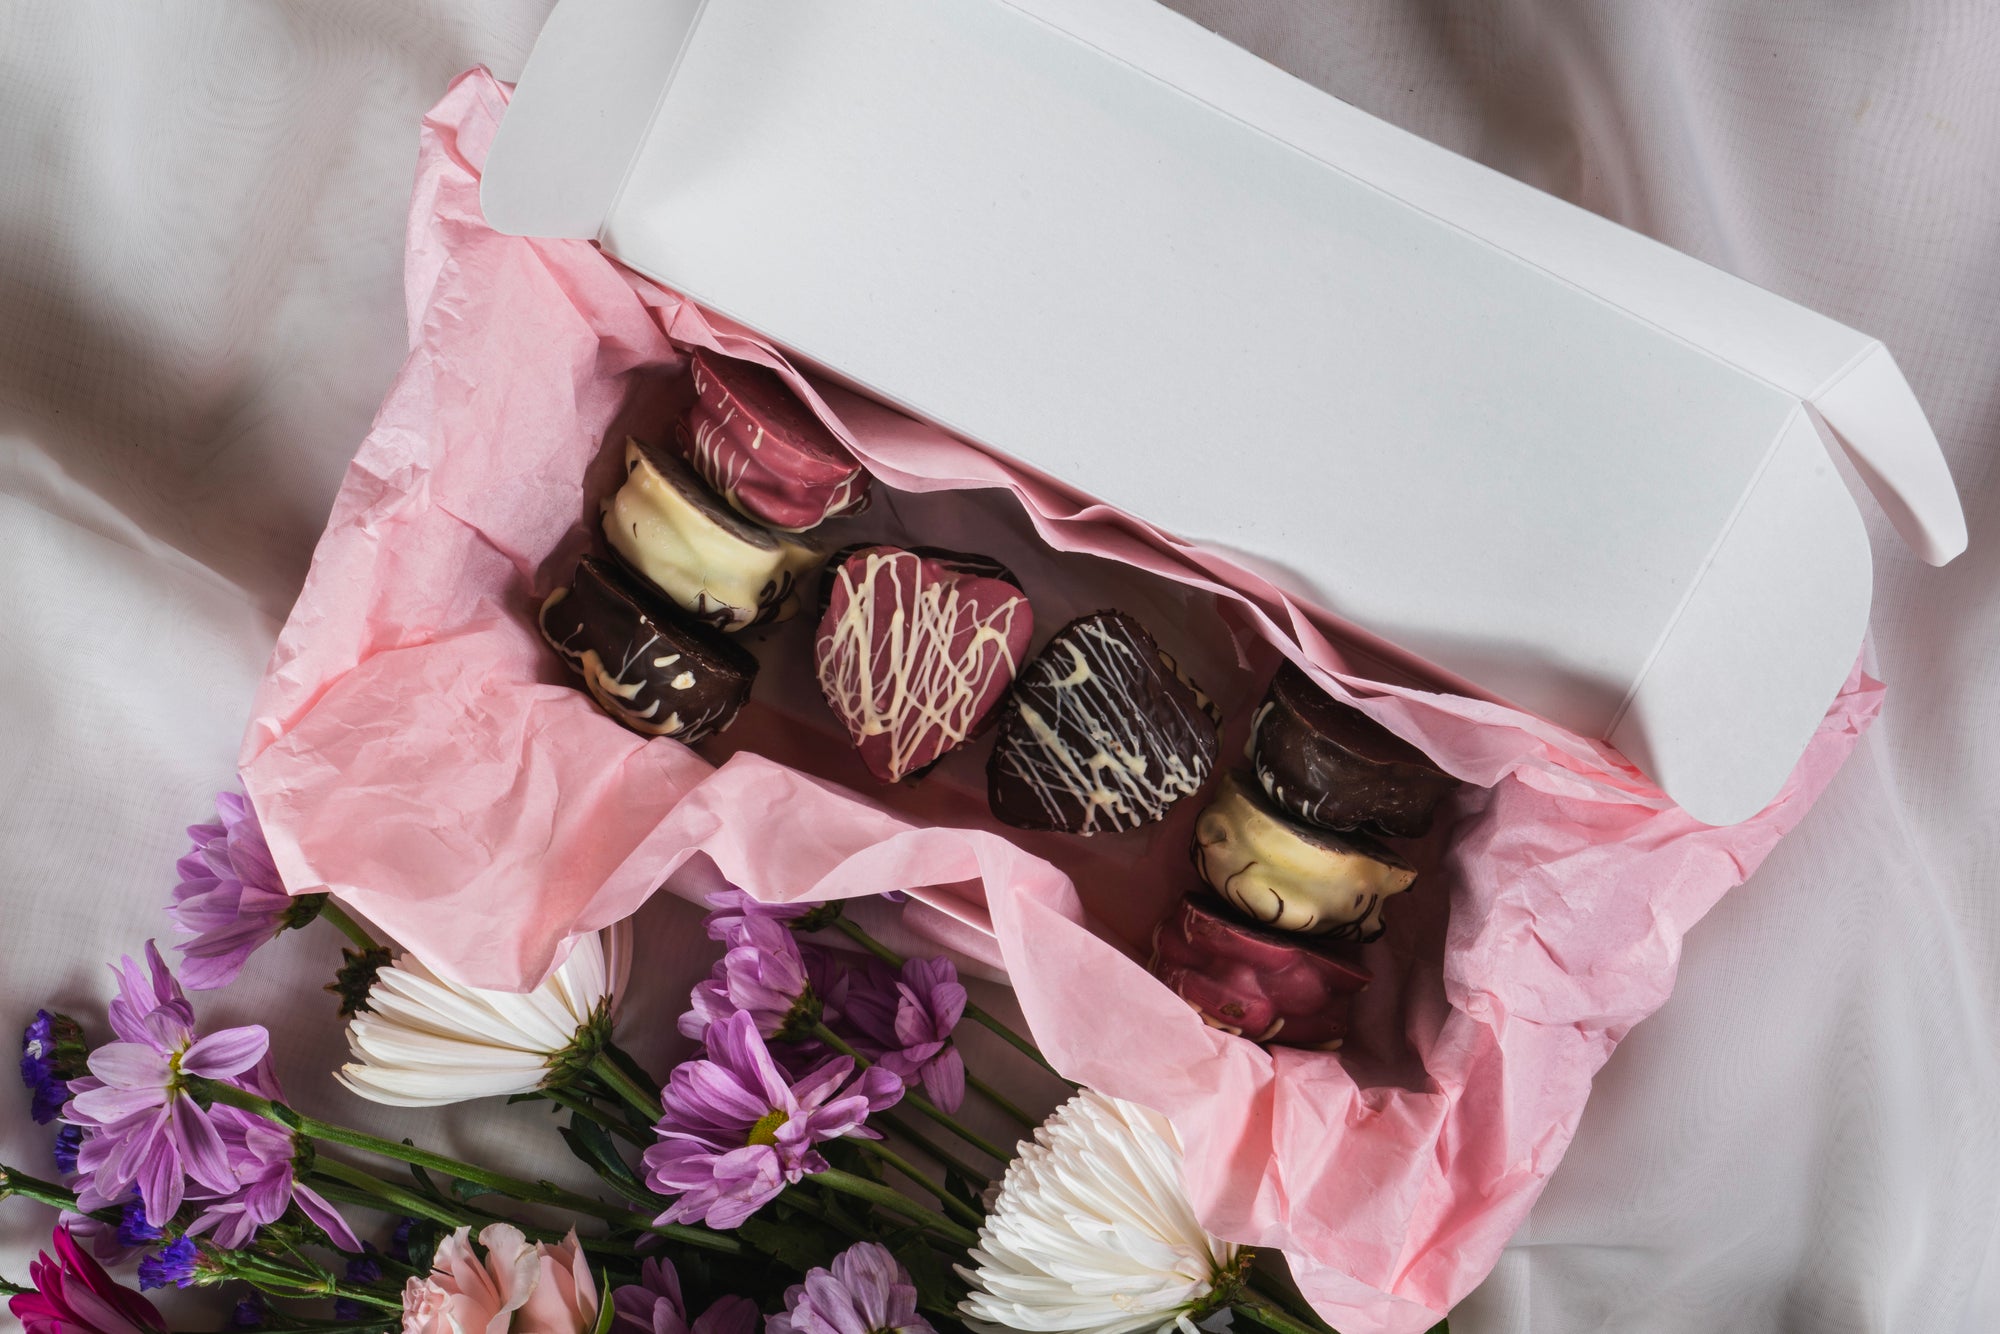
(425, 1042)
(1092, 1232)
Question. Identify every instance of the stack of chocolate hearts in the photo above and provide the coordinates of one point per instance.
(707, 542)
(1293, 852)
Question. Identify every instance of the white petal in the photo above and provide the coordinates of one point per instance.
(1092, 1231)
(425, 1041)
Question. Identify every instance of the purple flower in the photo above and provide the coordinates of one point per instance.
(736, 1131)
(726, 907)
(103, 1238)
(73, 1295)
(52, 1054)
(230, 899)
(170, 1264)
(133, 1229)
(653, 1305)
(68, 1140)
(360, 1269)
(260, 1157)
(762, 974)
(864, 1291)
(249, 1313)
(145, 1130)
(903, 1022)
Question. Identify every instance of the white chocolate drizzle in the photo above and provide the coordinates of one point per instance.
(1130, 769)
(615, 694)
(914, 661)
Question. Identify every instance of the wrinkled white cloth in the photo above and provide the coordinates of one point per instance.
(201, 213)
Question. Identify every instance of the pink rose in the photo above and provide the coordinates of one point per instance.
(520, 1287)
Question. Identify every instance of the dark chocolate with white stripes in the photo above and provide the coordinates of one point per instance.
(1101, 734)
(647, 664)
(1330, 764)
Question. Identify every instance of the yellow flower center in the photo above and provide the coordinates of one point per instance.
(766, 1129)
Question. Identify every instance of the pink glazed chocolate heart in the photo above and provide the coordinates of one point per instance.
(763, 450)
(915, 654)
(1272, 987)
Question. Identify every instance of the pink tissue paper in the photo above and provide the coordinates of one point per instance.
(416, 750)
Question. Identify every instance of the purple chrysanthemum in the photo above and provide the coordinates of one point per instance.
(653, 1305)
(260, 1158)
(143, 1129)
(763, 974)
(73, 1295)
(904, 1021)
(737, 1131)
(172, 1264)
(230, 899)
(864, 1291)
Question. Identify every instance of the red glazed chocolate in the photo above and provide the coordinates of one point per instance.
(764, 451)
(1269, 986)
(915, 654)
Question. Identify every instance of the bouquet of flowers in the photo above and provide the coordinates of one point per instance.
(807, 1170)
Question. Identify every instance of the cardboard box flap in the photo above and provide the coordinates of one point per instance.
(1541, 451)
(584, 102)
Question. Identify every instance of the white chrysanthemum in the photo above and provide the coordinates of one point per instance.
(425, 1042)
(1092, 1231)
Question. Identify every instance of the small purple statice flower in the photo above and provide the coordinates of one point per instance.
(170, 1264)
(144, 1129)
(230, 899)
(68, 1140)
(360, 1269)
(762, 974)
(133, 1229)
(260, 1159)
(73, 1295)
(737, 1130)
(52, 1054)
(864, 1291)
(249, 1313)
(653, 1305)
(904, 1021)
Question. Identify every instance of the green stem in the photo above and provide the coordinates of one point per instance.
(13, 1181)
(261, 1270)
(336, 916)
(1268, 1287)
(944, 1157)
(972, 1012)
(627, 1089)
(1000, 1100)
(896, 1202)
(387, 1194)
(1271, 1316)
(916, 1100)
(952, 1205)
(578, 1105)
(532, 1192)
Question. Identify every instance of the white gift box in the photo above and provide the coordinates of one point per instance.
(1568, 466)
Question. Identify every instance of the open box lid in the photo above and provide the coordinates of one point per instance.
(1563, 462)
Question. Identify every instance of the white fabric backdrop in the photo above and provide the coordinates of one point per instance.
(201, 213)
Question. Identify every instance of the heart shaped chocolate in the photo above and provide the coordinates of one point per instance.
(914, 654)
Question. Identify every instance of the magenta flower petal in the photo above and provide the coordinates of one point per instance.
(229, 1052)
(73, 1295)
